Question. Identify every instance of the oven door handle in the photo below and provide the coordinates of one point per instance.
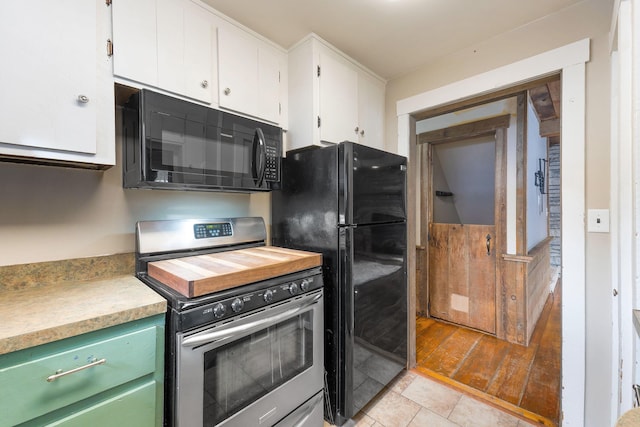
(225, 333)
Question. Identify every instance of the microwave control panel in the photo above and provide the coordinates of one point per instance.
(273, 160)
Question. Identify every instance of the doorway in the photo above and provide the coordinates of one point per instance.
(570, 60)
(468, 279)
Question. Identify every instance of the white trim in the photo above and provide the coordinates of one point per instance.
(509, 75)
(572, 161)
(570, 60)
(615, 232)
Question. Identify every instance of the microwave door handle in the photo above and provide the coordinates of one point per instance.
(263, 156)
(225, 333)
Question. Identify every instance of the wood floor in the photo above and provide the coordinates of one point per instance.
(524, 380)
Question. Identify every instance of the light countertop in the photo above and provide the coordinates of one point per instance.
(39, 314)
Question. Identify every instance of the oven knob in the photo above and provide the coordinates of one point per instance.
(293, 288)
(268, 296)
(237, 305)
(218, 310)
(304, 285)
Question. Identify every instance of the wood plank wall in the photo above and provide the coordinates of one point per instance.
(525, 288)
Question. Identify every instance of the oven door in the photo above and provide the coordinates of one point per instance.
(252, 370)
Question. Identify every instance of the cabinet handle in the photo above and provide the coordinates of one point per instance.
(60, 373)
(204, 84)
(227, 91)
(362, 132)
(83, 99)
(356, 129)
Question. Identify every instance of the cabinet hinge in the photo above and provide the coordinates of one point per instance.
(318, 71)
(318, 121)
(109, 48)
(107, 2)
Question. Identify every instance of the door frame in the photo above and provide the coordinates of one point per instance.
(493, 126)
(570, 60)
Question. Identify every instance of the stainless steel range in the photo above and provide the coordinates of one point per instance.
(244, 332)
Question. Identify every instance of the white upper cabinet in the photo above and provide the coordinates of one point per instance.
(200, 52)
(270, 72)
(135, 40)
(168, 44)
(238, 70)
(332, 98)
(371, 93)
(250, 74)
(189, 49)
(56, 82)
(338, 97)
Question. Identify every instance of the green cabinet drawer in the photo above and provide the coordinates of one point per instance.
(25, 392)
(135, 407)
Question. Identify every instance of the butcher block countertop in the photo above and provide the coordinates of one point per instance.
(46, 302)
(203, 274)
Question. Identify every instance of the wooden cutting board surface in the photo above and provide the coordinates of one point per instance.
(203, 274)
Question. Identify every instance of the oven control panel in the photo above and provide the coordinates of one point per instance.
(251, 299)
(219, 229)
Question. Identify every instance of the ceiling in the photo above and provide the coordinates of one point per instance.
(390, 37)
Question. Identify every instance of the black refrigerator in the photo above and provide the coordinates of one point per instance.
(348, 202)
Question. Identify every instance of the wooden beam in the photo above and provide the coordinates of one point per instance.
(467, 130)
(554, 140)
(484, 99)
(521, 175)
(550, 128)
(555, 91)
(542, 103)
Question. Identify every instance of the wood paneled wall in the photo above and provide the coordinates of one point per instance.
(525, 289)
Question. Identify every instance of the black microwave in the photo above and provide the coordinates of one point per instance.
(169, 143)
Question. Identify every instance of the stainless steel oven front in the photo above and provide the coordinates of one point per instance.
(254, 369)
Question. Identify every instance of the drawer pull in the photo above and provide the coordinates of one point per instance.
(61, 373)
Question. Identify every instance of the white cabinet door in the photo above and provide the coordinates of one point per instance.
(170, 61)
(184, 49)
(238, 71)
(371, 92)
(48, 77)
(268, 86)
(249, 79)
(338, 99)
(165, 44)
(135, 40)
(199, 53)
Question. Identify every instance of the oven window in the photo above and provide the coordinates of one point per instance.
(244, 370)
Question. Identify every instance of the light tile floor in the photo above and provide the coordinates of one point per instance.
(415, 401)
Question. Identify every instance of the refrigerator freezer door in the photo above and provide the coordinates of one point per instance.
(372, 184)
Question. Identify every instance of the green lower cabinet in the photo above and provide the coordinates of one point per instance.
(111, 377)
(136, 407)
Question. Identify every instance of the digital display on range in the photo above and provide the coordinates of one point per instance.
(205, 231)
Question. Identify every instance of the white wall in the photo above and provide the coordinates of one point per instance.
(50, 213)
(537, 209)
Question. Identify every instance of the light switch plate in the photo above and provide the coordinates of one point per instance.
(598, 220)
